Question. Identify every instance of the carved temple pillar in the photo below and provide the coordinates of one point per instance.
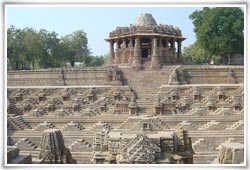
(123, 47)
(117, 57)
(160, 51)
(155, 57)
(137, 54)
(112, 54)
(167, 57)
(179, 55)
(131, 52)
(173, 52)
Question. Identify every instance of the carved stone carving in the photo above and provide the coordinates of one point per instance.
(52, 148)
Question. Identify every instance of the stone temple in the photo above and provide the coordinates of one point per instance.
(143, 107)
(145, 41)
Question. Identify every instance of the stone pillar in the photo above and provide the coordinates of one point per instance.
(131, 52)
(124, 59)
(179, 55)
(160, 42)
(137, 52)
(117, 57)
(112, 54)
(160, 51)
(167, 58)
(173, 52)
(155, 57)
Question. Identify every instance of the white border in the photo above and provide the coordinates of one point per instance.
(128, 3)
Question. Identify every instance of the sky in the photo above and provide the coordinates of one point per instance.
(97, 22)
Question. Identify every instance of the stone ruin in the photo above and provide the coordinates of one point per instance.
(126, 114)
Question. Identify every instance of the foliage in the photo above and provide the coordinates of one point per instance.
(94, 61)
(219, 31)
(76, 47)
(194, 54)
(31, 49)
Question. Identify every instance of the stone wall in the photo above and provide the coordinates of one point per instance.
(58, 77)
(208, 74)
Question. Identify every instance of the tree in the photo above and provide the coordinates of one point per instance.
(51, 49)
(14, 47)
(31, 49)
(219, 31)
(94, 61)
(194, 54)
(76, 46)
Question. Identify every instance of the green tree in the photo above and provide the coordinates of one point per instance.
(76, 46)
(33, 49)
(194, 54)
(14, 48)
(94, 61)
(51, 49)
(219, 31)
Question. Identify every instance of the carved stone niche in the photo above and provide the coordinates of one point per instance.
(236, 103)
(116, 95)
(51, 107)
(122, 105)
(133, 106)
(65, 95)
(41, 97)
(211, 105)
(91, 95)
(157, 106)
(103, 105)
(18, 97)
(221, 94)
(196, 94)
(145, 126)
(76, 107)
(174, 95)
(27, 107)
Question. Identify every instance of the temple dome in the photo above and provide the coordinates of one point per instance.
(145, 20)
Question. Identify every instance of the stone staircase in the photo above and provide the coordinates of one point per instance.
(157, 124)
(80, 144)
(202, 144)
(186, 125)
(212, 125)
(18, 123)
(218, 111)
(72, 126)
(43, 126)
(26, 144)
(229, 100)
(237, 125)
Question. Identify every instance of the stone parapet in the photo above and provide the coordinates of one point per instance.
(58, 77)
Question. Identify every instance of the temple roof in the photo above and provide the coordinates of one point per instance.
(145, 25)
(145, 20)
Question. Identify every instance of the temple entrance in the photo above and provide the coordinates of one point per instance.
(145, 48)
(144, 53)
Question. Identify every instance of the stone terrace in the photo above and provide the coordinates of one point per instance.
(212, 113)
